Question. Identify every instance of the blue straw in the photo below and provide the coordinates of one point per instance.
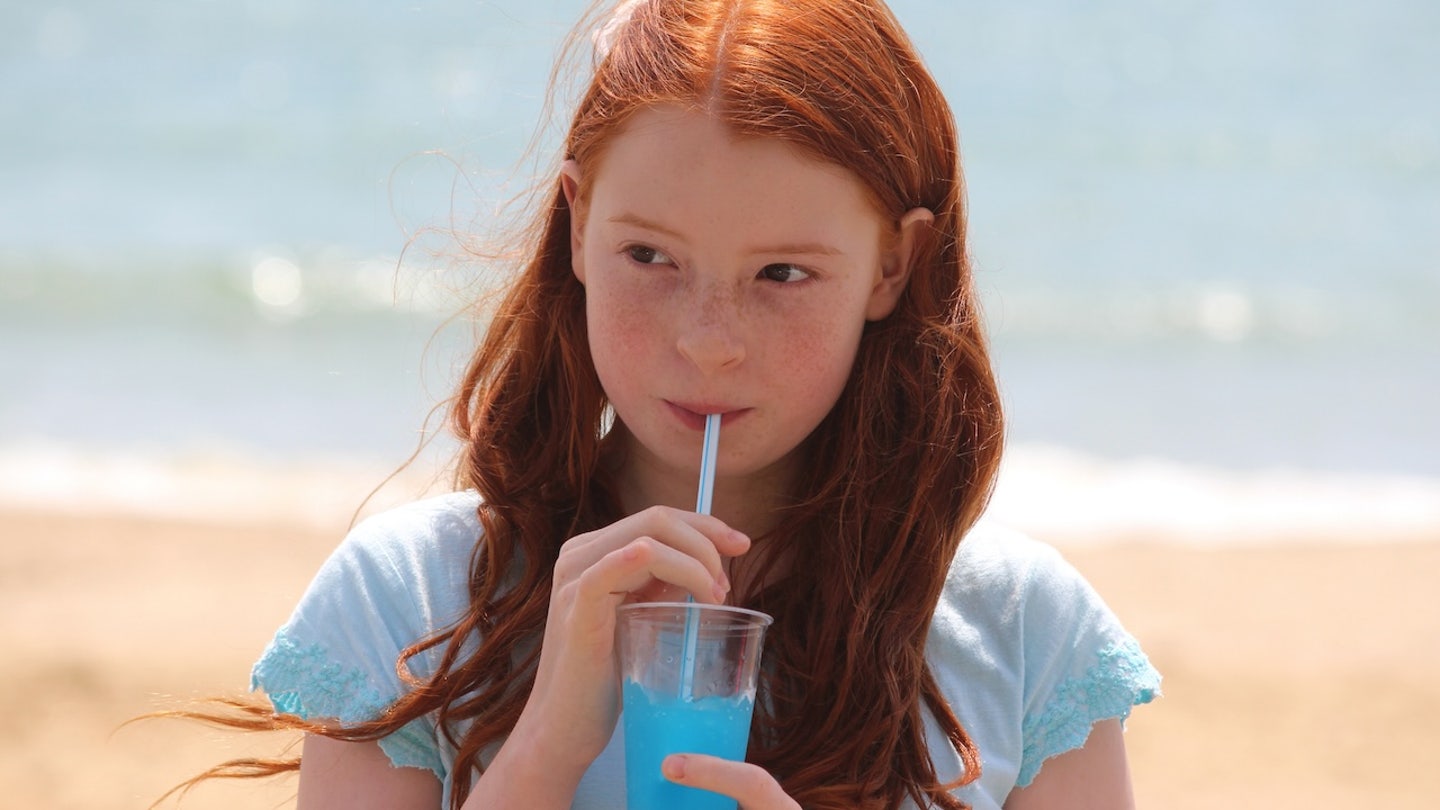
(702, 505)
(707, 463)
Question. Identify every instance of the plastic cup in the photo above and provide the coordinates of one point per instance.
(687, 674)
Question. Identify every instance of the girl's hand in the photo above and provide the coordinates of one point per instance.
(658, 554)
(752, 786)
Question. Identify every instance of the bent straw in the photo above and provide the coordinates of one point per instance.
(702, 506)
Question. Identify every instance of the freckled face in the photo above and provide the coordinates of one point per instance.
(727, 275)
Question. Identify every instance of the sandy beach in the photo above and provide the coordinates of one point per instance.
(1296, 675)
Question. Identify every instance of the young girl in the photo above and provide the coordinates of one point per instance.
(759, 214)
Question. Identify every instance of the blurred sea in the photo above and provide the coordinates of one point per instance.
(1208, 235)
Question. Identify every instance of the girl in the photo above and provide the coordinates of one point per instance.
(759, 214)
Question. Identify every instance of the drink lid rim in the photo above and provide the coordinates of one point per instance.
(633, 606)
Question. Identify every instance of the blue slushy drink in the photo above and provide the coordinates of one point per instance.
(657, 727)
(688, 675)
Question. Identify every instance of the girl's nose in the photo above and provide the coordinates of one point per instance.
(712, 337)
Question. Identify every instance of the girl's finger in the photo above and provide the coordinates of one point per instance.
(702, 537)
(752, 786)
(641, 562)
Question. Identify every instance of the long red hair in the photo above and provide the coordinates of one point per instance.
(904, 463)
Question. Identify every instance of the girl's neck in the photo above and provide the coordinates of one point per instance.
(748, 503)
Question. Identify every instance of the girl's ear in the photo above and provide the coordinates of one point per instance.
(897, 262)
(570, 185)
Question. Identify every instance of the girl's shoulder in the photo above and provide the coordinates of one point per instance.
(993, 554)
(418, 554)
(396, 579)
(1028, 654)
(437, 526)
(1001, 576)
(1011, 590)
(409, 548)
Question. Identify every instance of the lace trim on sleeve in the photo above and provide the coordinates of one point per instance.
(303, 681)
(1121, 679)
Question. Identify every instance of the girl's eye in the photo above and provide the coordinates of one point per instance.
(647, 255)
(783, 273)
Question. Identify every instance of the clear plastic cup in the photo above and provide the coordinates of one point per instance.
(687, 674)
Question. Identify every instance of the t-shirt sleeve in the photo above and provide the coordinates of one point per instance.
(336, 658)
(1081, 665)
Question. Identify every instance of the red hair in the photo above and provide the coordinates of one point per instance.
(904, 462)
(908, 455)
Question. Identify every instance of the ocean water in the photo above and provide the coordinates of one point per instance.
(1207, 233)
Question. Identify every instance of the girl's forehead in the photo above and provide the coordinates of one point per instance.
(688, 176)
(692, 140)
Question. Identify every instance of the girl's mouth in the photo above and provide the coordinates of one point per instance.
(692, 414)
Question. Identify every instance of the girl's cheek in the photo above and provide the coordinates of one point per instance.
(627, 315)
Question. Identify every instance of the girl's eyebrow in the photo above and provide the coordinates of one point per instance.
(786, 248)
(645, 224)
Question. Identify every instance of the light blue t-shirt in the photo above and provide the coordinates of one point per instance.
(1024, 650)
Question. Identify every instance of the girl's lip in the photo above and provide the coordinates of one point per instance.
(693, 413)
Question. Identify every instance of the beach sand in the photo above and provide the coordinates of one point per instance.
(1296, 675)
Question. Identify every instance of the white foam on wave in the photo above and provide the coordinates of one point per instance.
(1054, 493)
(1068, 497)
(217, 486)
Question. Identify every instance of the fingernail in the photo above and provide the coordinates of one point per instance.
(719, 592)
(673, 767)
(741, 536)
